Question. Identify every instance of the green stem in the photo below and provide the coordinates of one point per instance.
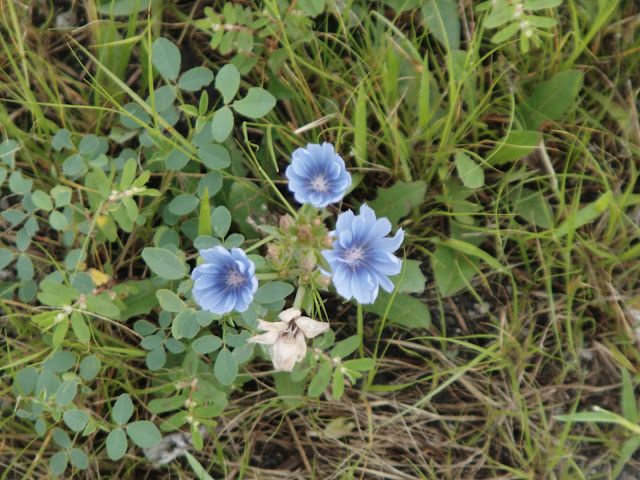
(360, 330)
(297, 303)
(260, 243)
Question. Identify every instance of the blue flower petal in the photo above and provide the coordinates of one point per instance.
(362, 257)
(226, 282)
(317, 175)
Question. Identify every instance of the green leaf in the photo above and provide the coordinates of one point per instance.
(79, 459)
(452, 270)
(256, 104)
(533, 207)
(58, 463)
(551, 99)
(212, 181)
(3, 174)
(61, 195)
(164, 263)
(177, 159)
(397, 201)
(629, 447)
(272, 292)
(8, 150)
(47, 382)
(321, 380)
(80, 328)
(122, 409)
(514, 146)
(61, 139)
(19, 184)
(156, 358)
(128, 174)
(598, 415)
(102, 305)
(6, 257)
(541, 4)
(89, 367)
(405, 310)
(152, 342)
(204, 217)
(214, 156)
(74, 257)
(60, 361)
(41, 200)
(183, 204)
(116, 444)
(506, 33)
(170, 301)
(61, 438)
(222, 124)
(585, 215)
(57, 220)
(413, 279)
(360, 364)
(441, 20)
(197, 468)
(206, 344)
(75, 419)
(346, 347)
(195, 78)
(26, 381)
(24, 266)
(228, 82)
(66, 392)
(312, 8)
(144, 434)
(221, 221)
(469, 171)
(225, 368)
(123, 7)
(499, 16)
(166, 57)
(164, 405)
(133, 115)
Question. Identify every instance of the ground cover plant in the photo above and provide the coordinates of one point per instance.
(319, 239)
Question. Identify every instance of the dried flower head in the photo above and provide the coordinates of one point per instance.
(288, 337)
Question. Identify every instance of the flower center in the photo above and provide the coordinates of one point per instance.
(354, 254)
(234, 278)
(319, 183)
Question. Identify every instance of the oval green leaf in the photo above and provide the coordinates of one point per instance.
(164, 263)
(144, 434)
(257, 103)
(166, 57)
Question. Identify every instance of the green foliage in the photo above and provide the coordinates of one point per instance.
(513, 176)
(516, 18)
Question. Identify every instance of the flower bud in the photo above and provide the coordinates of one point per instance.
(273, 251)
(305, 235)
(316, 222)
(327, 241)
(286, 222)
(309, 261)
(322, 281)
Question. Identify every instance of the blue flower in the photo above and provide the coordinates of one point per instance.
(226, 282)
(362, 258)
(317, 175)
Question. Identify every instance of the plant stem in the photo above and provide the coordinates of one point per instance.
(360, 330)
(297, 303)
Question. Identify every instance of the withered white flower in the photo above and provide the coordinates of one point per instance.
(287, 337)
